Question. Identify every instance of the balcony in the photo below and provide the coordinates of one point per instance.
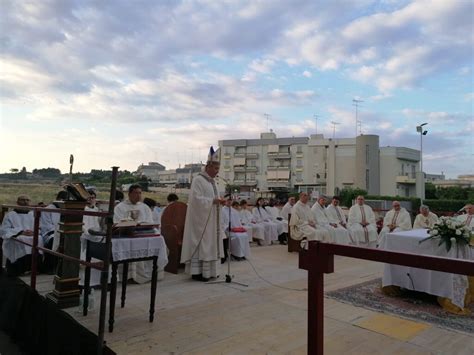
(239, 168)
(227, 156)
(278, 167)
(251, 168)
(299, 154)
(406, 179)
(251, 155)
(239, 155)
(299, 168)
(282, 155)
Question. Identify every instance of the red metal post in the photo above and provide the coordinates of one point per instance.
(34, 250)
(315, 312)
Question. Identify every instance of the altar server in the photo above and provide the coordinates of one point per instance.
(239, 239)
(263, 217)
(250, 223)
(468, 217)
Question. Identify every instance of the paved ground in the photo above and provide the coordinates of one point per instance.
(198, 318)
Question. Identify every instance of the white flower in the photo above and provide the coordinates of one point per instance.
(453, 240)
(458, 232)
(434, 232)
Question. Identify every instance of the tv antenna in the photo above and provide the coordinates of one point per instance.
(356, 103)
(334, 129)
(315, 124)
(267, 116)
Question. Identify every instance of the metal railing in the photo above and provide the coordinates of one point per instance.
(319, 260)
(103, 266)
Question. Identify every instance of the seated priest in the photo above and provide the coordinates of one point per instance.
(397, 219)
(302, 223)
(250, 223)
(467, 218)
(425, 219)
(233, 229)
(49, 223)
(286, 209)
(133, 209)
(361, 223)
(335, 213)
(338, 234)
(274, 212)
(18, 224)
(261, 215)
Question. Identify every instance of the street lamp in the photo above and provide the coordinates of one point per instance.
(422, 132)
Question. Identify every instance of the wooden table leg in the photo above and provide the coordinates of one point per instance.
(87, 281)
(113, 293)
(124, 284)
(154, 280)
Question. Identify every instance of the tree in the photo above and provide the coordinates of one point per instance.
(13, 170)
(430, 191)
(349, 194)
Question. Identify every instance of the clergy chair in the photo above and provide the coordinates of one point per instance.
(172, 229)
(293, 245)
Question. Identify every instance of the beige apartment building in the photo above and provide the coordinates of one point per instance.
(319, 165)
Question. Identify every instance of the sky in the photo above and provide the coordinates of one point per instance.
(120, 83)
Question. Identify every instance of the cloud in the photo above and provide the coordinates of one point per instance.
(307, 74)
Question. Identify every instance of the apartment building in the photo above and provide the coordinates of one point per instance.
(318, 164)
(150, 170)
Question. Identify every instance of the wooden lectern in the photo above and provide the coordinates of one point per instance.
(66, 291)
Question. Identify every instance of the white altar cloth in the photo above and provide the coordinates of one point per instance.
(452, 286)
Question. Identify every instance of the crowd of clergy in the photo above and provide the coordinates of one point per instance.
(265, 223)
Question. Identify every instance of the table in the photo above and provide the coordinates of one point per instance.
(451, 286)
(125, 251)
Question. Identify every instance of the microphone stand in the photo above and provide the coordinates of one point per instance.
(228, 276)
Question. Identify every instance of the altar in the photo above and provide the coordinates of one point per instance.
(453, 287)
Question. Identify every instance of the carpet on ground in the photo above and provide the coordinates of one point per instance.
(411, 304)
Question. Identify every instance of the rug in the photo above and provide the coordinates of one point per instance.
(414, 305)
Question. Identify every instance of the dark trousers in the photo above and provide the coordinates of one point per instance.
(19, 267)
(50, 262)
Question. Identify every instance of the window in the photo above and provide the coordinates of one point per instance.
(299, 176)
(299, 163)
(367, 173)
(226, 176)
(299, 149)
(367, 155)
(251, 177)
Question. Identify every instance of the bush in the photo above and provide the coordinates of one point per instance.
(348, 194)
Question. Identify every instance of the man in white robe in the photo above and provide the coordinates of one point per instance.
(397, 219)
(202, 241)
(335, 213)
(425, 219)
(361, 223)
(49, 223)
(261, 216)
(132, 209)
(249, 222)
(18, 224)
(282, 224)
(302, 223)
(468, 217)
(338, 234)
(239, 239)
(286, 210)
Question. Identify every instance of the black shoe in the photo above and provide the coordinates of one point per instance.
(259, 242)
(200, 278)
(223, 260)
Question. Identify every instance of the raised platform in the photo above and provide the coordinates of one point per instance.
(193, 317)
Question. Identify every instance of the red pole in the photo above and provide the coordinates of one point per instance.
(315, 312)
(34, 250)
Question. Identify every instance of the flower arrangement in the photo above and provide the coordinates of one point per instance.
(449, 231)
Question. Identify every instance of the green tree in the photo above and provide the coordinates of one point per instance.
(348, 194)
(430, 191)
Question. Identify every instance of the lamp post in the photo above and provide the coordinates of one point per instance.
(422, 132)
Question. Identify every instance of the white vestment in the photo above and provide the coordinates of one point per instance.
(366, 235)
(13, 224)
(274, 213)
(336, 215)
(271, 229)
(140, 271)
(467, 219)
(49, 222)
(300, 226)
(400, 219)
(338, 234)
(285, 211)
(202, 240)
(239, 241)
(90, 222)
(425, 222)
(248, 221)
